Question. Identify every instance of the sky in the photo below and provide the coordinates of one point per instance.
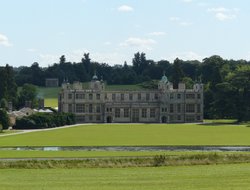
(112, 31)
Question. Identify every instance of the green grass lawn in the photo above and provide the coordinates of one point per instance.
(134, 134)
(214, 177)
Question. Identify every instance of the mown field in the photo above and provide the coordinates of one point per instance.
(134, 135)
(214, 177)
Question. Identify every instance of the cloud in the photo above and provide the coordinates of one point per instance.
(141, 43)
(180, 21)
(107, 43)
(174, 18)
(125, 8)
(4, 40)
(223, 14)
(157, 34)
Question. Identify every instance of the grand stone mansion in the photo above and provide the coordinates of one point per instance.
(163, 105)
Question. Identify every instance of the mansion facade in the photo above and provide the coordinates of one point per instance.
(163, 105)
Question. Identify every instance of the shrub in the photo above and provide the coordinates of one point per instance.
(4, 119)
(44, 120)
(159, 160)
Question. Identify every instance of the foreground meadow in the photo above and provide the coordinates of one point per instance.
(232, 176)
(134, 135)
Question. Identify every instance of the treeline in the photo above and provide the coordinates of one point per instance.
(226, 82)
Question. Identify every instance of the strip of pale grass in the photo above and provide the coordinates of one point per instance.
(4, 132)
(211, 177)
(95, 154)
(134, 135)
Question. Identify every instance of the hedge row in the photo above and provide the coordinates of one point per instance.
(45, 120)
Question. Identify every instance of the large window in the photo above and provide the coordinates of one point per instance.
(198, 96)
(198, 108)
(139, 96)
(70, 110)
(130, 96)
(113, 96)
(98, 96)
(69, 96)
(190, 108)
(117, 112)
(156, 96)
(178, 96)
(171, 96)
(80, 108)
(147, 96)
(171, 109)
(90, 96)
(98, 108)
(178, 108)
(122, 96)
(90, 108)
(152, 112)
(126, 112)
(144, 113)
(190, 96)
(80, 96)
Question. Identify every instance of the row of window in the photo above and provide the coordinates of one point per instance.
(135, 112)
(138, 96)
(190, 108)
(82, 96)
(188, 96)
(83, 118)
(82, 108)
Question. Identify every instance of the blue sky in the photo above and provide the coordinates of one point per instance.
(113, 30)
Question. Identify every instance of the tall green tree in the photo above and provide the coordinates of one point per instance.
(178, 74)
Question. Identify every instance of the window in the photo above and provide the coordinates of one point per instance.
(113, 96)
(70, 96)
(139, 96)
(98, 118)
(171, 108)
(198, 118)
(130, 96)
(178, 96)
(178, 117)
(198, 96)
(152, 112)
(156, 96)
(90, 108)
(171, 96)
(109, 109)
(190, 96)
(70, 110)
(126, 112)
(117, 112)
(190, 108)
(178, 108)
(144, 113)
(198, 108)
(80, 108)
(98, 96)
(80, 118)
(80, 96)
(106, 96)
(90, 118)
(164, 109)
(90, 96)
(98, 108)
(147, 96)
(122, 96)
(190, 118)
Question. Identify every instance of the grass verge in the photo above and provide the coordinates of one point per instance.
(123, 162)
